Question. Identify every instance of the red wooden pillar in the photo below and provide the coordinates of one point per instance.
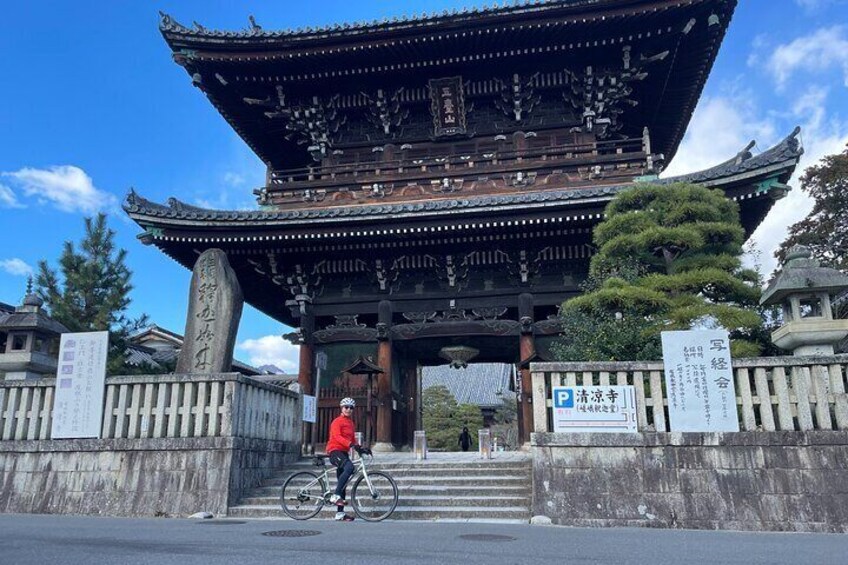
(306, 363)
(384, 379)
(525, 414)
(526, 348)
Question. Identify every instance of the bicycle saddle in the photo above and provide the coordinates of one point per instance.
(319, 460)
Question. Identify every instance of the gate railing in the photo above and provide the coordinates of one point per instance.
(162, 406)
(772, 393)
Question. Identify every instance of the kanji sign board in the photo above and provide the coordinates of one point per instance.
(594, 408)
(80, 385)
(699, 381)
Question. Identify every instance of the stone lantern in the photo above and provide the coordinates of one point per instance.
(27, 340)
(804, 290)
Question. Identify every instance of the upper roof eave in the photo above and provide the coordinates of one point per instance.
(177, 34)
(780, 159)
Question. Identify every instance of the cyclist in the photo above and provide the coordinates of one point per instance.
(342, 438)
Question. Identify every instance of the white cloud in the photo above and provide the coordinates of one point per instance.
(821, 136)
(8, 198)
(720, 128)
(67, 187)
(814, 5)
(271, 350)
(16, 267)
(819, 51)
(234, 179)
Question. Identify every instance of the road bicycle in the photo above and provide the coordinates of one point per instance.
(374, 494)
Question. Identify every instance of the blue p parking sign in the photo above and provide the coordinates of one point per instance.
(564, 398)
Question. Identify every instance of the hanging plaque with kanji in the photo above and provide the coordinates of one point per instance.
(447, 103)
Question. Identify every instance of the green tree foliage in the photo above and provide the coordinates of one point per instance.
(667, 255)
(91, 290)
(825, 229)
(444, 418)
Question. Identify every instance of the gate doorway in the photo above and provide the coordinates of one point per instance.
(482, 395)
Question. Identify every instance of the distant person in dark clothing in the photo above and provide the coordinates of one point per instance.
(465, 439)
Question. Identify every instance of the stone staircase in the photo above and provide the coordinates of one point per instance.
(445, 487)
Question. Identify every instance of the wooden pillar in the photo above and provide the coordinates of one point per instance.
(306, 363)
(384, 379)
(526, 348)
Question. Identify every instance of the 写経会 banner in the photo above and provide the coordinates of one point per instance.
(699, 381)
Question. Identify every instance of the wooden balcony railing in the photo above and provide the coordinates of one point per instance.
(632, 154)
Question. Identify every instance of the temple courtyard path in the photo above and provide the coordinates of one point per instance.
(69, 540)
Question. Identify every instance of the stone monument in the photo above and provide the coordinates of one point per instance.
(214, 311)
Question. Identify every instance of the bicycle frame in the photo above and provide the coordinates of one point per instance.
(359, 468)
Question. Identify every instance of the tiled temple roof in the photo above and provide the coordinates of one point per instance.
(784, 154)
(169, 25)
(481, 384)
(788, 150)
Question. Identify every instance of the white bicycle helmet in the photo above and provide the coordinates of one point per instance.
(348, 402)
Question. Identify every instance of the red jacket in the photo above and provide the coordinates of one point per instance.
(342, 435)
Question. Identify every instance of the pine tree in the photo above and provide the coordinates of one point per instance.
(444, 418)
(91, 290)
(668, 255)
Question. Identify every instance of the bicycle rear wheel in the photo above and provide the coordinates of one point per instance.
(302, 497)
(377, 502)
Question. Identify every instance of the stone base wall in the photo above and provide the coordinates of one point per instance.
(777, 481)
(134, 477)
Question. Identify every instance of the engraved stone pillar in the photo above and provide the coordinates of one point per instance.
(214, 311)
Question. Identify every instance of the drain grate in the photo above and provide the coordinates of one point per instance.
(486, 537)
(221, 522)
(291, 533)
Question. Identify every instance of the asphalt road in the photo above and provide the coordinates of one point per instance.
(68, 540)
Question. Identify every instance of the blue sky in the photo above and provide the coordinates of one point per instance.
(92, 105)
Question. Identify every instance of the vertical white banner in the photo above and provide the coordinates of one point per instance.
(699, 381)
(80, 385)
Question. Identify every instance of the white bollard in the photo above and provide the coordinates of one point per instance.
(420, 445)
(484, 436)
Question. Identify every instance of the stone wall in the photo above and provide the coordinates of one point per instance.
(778, 481)
(135, 477)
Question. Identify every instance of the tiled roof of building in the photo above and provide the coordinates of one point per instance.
(169, 26)
(481, 384)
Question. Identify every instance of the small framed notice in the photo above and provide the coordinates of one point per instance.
(80, 385)
(699, 381)
(310, 411)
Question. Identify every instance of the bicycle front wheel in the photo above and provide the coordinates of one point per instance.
(377, 501)
(302, 497)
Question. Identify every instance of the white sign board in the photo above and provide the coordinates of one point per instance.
(594, 408)
(321, 360)
(310, 410)
(699, 381)
(80, 384)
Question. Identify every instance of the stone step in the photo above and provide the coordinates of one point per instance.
(455, 491)
(430, 489)
(504, 480)
(421, 471)
(454, 513)
(421, 500)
